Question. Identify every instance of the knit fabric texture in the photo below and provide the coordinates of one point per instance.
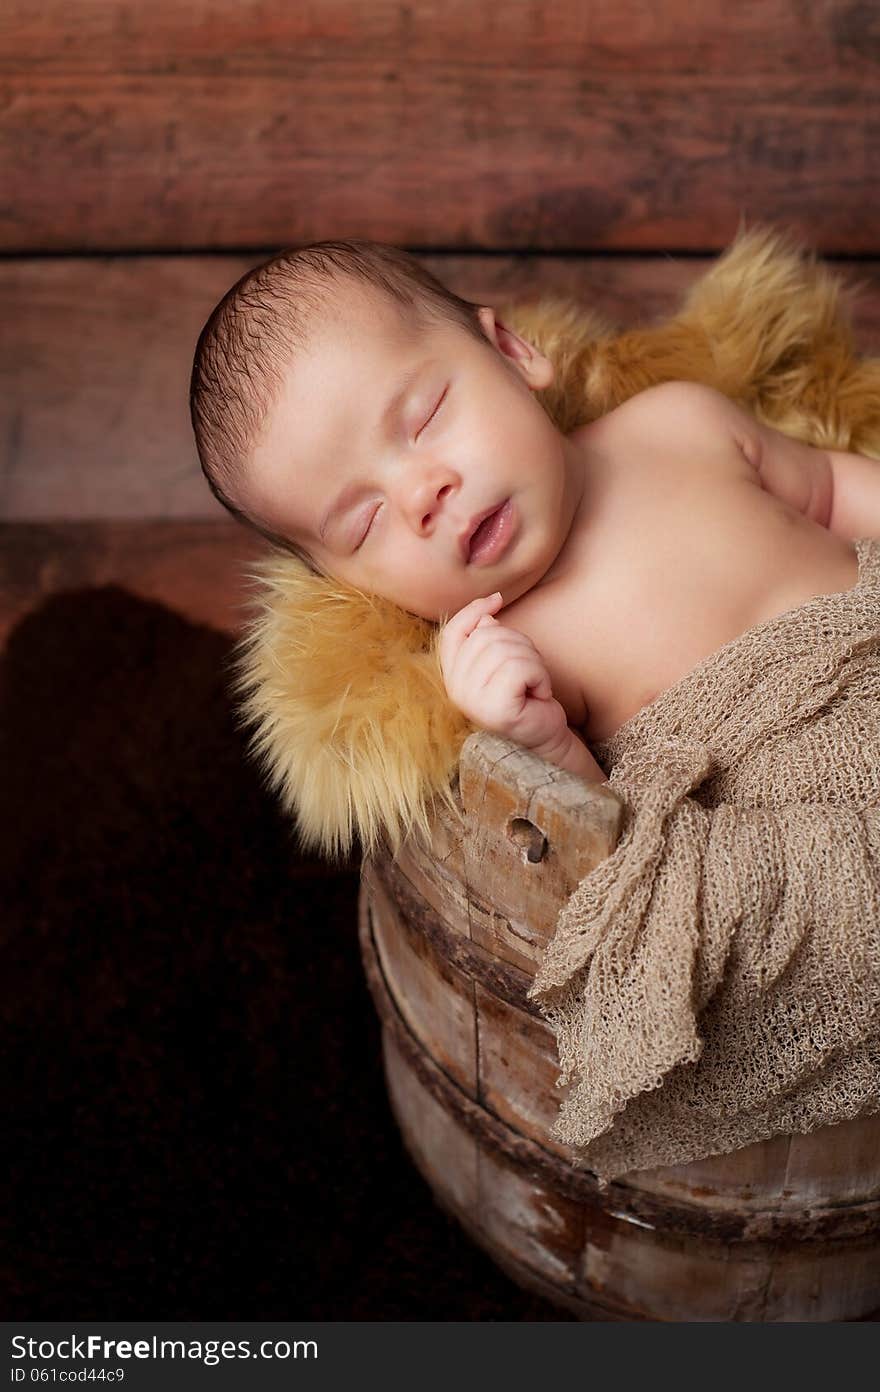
(716, 980)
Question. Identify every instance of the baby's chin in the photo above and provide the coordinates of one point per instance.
(431, 612)
(442, 602)
(434, 611)
(510, 588)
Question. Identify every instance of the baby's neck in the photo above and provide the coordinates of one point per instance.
(581, 464)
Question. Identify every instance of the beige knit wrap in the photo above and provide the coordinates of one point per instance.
(716, 980)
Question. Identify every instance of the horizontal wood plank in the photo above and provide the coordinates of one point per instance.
(268, 36)
(198, 569)
(97, 353)
(559, 127)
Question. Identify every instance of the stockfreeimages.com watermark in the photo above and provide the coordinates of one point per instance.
(208, 1351)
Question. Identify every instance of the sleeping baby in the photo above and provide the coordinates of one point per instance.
(363, 417)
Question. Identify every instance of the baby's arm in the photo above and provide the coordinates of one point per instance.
(837, 489)
(855, 495)
(497, 677)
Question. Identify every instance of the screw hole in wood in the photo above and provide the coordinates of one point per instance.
(529, 837)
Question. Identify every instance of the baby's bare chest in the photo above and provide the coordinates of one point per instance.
(662, 575)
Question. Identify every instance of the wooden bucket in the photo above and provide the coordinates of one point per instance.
(787, 1229)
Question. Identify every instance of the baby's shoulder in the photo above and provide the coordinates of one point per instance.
(680, 407)
(675, 433)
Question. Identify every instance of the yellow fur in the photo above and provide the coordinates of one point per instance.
(353, 725)
(351, 720)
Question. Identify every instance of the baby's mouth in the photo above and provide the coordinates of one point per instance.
(492, 535)
(482, 531)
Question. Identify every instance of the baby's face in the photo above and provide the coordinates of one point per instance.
(388, 442)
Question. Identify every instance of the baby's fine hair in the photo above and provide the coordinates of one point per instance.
(251, 337)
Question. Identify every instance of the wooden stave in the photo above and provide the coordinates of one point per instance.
(842, 1236)
(714, 1178)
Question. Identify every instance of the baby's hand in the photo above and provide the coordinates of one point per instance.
(497, 677)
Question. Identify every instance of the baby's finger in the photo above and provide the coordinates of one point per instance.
(493, 637)
(485, 647)
(537, 679)
(489, 633)
(518, 671)
(462, 624)
(466, 620)
(544, 689)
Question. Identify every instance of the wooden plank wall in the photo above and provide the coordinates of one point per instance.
(527, 124)
(149, 155)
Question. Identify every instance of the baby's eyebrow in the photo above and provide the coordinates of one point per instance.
(386, 420)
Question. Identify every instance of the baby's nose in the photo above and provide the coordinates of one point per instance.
(427, 500)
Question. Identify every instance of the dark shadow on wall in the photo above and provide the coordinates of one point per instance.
(192, 1088)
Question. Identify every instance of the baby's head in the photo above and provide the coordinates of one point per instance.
(362, 417)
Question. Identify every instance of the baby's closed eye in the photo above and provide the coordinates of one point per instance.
(434, 411)
(365, 534)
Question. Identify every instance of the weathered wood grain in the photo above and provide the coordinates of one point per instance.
(265, 36)
(197, 569)
(559, 126)
(785, 1230)
(435, 994)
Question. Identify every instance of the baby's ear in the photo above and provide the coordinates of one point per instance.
(537, 370)
(486, 316)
